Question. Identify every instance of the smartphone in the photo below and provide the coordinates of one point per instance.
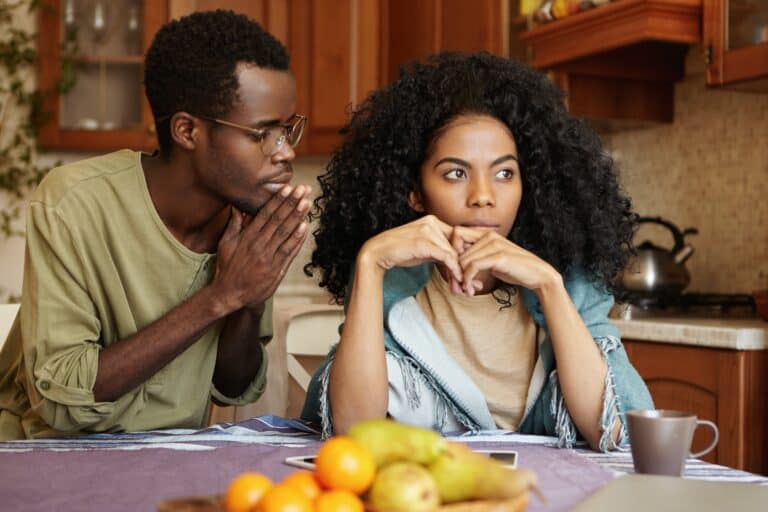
(507, 457)
(301, 461)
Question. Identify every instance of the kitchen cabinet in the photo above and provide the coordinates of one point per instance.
(736, 43)
(619, 62)
(728, 387)
(414, 30)
(106, 109)
(341, 50)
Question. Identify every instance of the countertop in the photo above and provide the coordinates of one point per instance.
(728, 333)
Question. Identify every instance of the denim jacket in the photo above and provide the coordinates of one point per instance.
(428, 388)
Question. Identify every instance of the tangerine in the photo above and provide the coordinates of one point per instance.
(245, 491)
(339, 501)
(304, 481)
(284, 498)
(344, 464)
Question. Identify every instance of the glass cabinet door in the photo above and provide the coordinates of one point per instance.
(747, 23)
(736, 43)
(105, 108)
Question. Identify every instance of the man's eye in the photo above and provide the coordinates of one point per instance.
(456, 174)
(505, 174)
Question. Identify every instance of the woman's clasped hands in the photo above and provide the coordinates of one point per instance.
(471, 259)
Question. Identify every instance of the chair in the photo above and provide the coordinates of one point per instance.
(310, 330)
(8, 314)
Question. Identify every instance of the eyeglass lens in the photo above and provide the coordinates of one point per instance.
(277, 136)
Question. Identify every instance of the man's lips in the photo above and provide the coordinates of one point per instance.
(279, 181)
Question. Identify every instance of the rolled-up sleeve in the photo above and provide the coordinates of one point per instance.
(59, 326)
(254, 390)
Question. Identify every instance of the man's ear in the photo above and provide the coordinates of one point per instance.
(415, 201)
(185, 130)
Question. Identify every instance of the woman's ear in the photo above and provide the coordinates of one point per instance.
(415, 202)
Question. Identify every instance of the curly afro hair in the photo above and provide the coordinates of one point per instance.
(191, 63)
(572, 214)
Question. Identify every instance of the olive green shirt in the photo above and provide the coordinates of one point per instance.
(100, 265)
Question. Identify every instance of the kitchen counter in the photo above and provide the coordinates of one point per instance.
(727, 333)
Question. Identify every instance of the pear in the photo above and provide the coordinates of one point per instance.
(462, 474)
(403, 487)
(389, 441)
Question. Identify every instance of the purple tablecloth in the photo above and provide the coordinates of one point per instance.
(133, 472)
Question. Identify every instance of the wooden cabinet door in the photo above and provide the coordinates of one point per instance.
(414, 30)
(736, 43)
(334, 46)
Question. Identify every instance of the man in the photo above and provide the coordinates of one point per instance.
(148, 279)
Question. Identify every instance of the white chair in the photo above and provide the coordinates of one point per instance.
(8, 314)
(309, 330)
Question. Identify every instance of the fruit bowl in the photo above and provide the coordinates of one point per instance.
(214, 503)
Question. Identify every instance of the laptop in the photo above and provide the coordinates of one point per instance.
(632, 493)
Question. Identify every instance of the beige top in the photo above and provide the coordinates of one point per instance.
(497, 348)
(101, 265)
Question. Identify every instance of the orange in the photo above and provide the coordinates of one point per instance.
(245, 491)
(343, 463)
(339, 501)
(304, 481)
(284, 498)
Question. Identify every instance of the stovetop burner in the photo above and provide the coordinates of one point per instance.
(695, 305)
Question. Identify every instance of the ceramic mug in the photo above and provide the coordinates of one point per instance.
(661, 440)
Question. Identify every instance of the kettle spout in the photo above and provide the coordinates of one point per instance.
(683, 254)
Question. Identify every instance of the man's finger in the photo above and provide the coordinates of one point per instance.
(284, 222)
(234, 225)
(288, 251)
(269, 208)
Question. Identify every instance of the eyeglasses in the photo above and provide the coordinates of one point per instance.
(271, 138)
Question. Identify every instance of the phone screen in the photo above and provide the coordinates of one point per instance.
(302, 461)
(508, 458)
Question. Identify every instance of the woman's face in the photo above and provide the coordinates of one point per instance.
(471, 176)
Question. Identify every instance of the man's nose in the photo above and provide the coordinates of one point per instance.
(285, 153)
(481, 193)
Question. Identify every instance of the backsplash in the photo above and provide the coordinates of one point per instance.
(709, 170)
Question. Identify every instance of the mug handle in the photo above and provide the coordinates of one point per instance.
(714, 440)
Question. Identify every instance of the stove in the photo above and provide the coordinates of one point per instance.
(689, 305)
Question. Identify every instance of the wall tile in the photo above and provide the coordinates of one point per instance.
(708, 169)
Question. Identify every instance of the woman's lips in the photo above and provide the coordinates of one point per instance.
(483, 226)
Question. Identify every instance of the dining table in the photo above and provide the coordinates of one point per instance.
(137, 471)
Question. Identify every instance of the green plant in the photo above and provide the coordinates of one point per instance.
(19, 171)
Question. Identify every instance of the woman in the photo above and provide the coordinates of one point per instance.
(474, 231)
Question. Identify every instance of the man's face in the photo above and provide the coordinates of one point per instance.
(235, 166)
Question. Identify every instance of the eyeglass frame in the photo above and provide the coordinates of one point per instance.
(261, 133)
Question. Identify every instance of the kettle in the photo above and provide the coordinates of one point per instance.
(658, 272)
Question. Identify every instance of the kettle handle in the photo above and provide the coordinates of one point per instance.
(676, 233)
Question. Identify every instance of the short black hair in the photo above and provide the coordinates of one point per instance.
(191, 63)
(572, 214)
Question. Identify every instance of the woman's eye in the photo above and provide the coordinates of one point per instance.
(456, 174)
(505, 174)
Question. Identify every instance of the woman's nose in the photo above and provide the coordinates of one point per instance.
(481, 193)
